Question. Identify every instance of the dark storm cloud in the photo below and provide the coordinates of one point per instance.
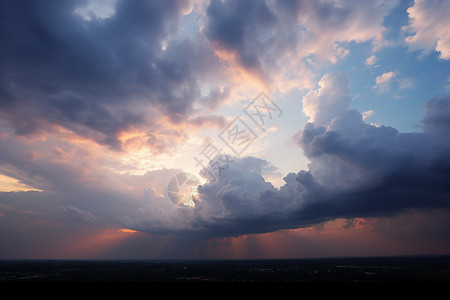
(356, 170)
(437, 119)
(87, 75)
(240, 27)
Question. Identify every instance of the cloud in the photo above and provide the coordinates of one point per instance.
(356, 170)
(437, 117)
(388, 80)
(428, 24)
(382, 82)
(79, 197)
(367, 114)
(96, 9)
(447, 85)
(237, 27)
(371, 60)
(71, 77)
(98, 69)
(76, 213)
(331, 99)
(101, 75)
(272, 40)
(385, 77)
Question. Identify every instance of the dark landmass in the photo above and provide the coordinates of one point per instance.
(361, 269)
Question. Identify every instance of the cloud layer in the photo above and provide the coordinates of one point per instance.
(103, 70)
(84, 87)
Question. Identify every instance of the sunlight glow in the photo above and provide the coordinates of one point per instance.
(9, 184)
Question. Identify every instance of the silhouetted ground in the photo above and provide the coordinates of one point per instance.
(368, 269)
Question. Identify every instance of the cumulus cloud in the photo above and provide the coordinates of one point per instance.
(331, 99)
(383, 81)
(388, 80)
(371, 60)
(385, 77)
(356, 170)
(429, 21)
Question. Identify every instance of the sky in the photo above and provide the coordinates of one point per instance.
(224, 129)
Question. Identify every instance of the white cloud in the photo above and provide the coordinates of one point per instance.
(367, 114)
(385, 77)
(388, 80)
(97, 9)
(382, 82)
(371, 60)
(331, 99)
(429, 23)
